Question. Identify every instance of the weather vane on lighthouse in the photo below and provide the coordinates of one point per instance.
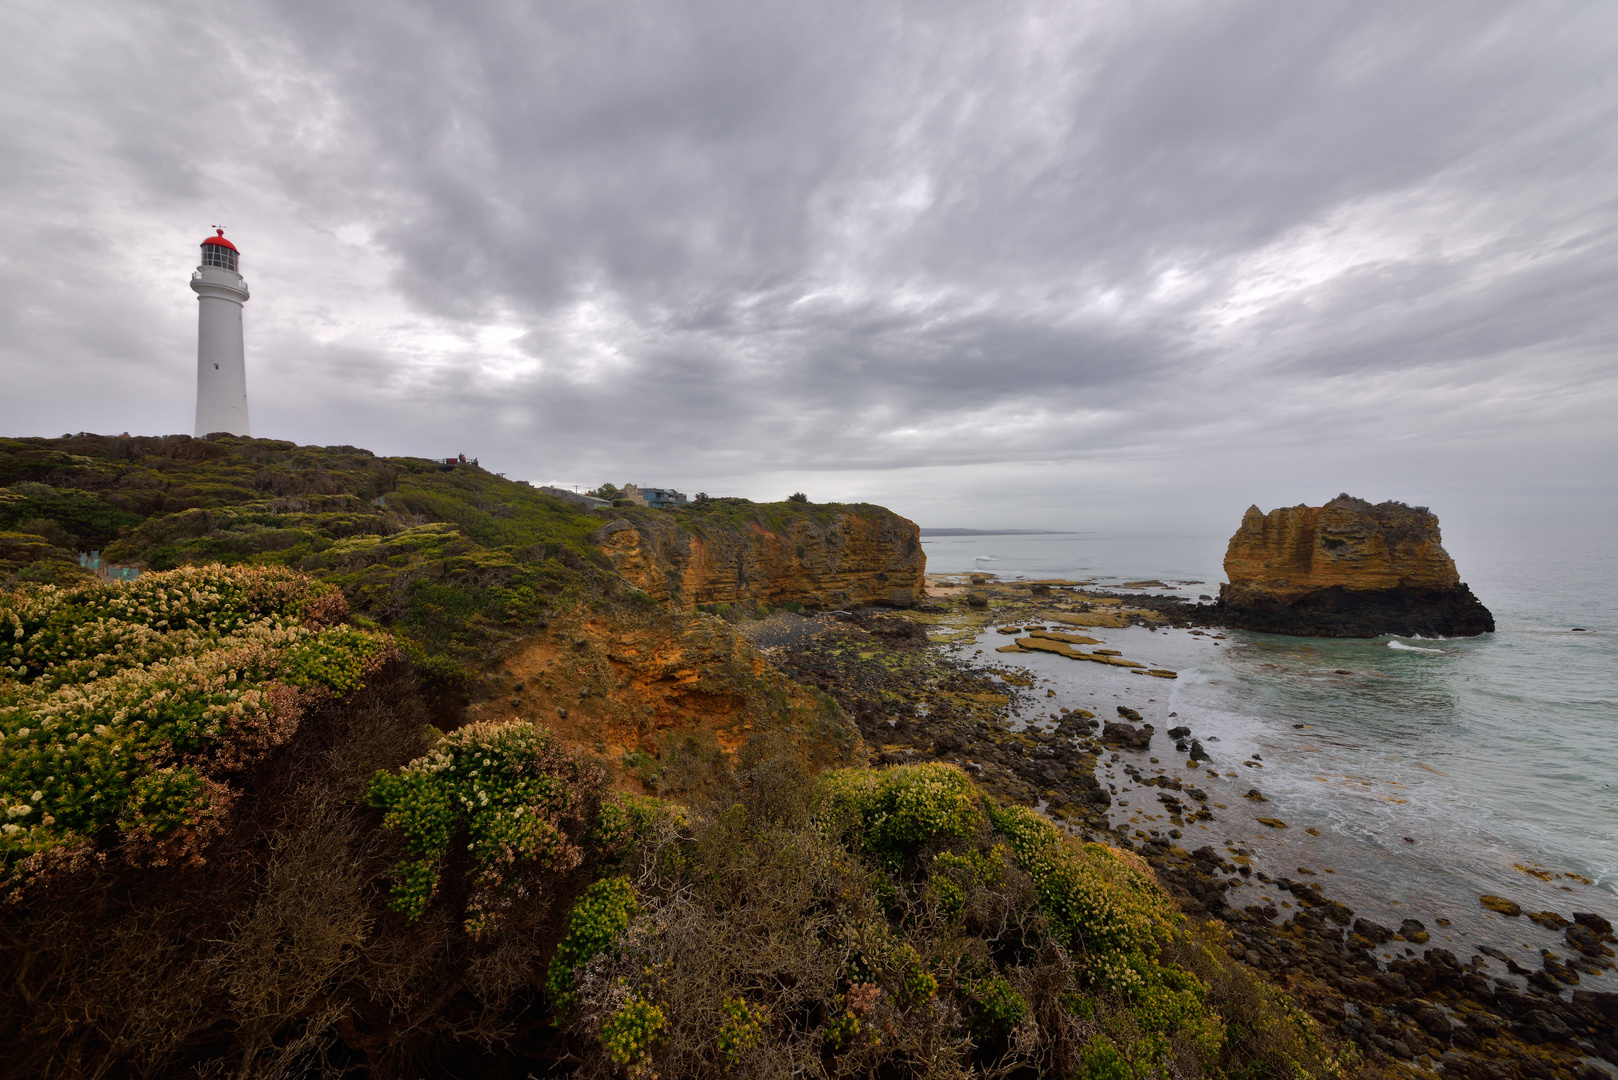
(221, 363)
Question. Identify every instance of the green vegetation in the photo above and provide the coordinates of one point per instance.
(129, 707)
(522, 802)
(453, 561)
(898, 918)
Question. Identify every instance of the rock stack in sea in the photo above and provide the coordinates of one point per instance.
(1346, 569)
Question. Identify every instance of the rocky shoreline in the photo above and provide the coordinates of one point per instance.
(1424, 1013)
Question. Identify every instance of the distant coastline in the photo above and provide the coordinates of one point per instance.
(1001, 532)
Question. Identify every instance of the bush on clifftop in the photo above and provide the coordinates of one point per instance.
(129, 707)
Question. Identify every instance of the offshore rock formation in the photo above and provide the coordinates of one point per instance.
(1346, 569)
(820, 556)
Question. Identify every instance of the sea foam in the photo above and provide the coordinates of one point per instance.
(1413, 648)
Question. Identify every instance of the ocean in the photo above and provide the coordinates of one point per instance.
(1413, 776)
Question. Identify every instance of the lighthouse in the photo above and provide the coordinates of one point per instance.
(221, 365)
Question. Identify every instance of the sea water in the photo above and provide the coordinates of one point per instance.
(1413, 776)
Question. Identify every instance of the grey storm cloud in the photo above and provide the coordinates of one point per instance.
(1046, 261)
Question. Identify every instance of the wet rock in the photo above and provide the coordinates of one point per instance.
(1179, 732)
(1129, 714)
(1413, 931)
(1585, 940)
(1591, 921)
(1432, 1021)
(1197, 752)
(976, 600)
(1558, 970)
(1126, 737)
(1274, 823)
(1544, 982)
(1255, 795)
(1600, 1007)
(1547, 1025)
(1500, 904)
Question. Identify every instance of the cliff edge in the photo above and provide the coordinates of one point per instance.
(730, 551)
(1346, 569)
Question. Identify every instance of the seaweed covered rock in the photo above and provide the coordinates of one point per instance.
(1346, 569)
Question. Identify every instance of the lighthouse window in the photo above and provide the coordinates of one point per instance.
(218, 255)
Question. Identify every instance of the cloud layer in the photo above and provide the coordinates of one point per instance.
(1077, 265)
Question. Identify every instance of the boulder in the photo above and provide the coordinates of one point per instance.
(1127, 737)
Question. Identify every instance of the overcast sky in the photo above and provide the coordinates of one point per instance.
(1065, 264)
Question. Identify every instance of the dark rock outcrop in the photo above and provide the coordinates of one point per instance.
(1346, 569)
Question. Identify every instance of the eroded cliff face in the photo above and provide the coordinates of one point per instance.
(821, 556)
(615, 682)
(1348, 543)
(1349, 569)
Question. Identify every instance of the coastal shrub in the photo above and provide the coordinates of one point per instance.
(997, 1007)
(629, 1034)
(129, 707)
(822, 942)
(891, 814)
(84, 519)
(517, 801)
(1103, 1061)
(594, 926)
(1114, 922)
(741, 1030)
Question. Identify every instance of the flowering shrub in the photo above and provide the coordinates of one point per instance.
(1116, 922)
(1112, 920)
(741, 1030)
(130, 704)
(629, 1034)
(916, 985)
(72, 635)
(896, 811)
(522, 801)
(594, 926)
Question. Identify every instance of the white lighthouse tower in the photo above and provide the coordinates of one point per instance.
(221, 364)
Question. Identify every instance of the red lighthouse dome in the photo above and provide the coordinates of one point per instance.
(217, 251)
(219, 238)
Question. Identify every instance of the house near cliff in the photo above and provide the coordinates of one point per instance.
(653, 497)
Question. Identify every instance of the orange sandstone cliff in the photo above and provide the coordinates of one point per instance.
(1347, 569)
(730, 551)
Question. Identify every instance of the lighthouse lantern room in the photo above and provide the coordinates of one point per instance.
(221, 363)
